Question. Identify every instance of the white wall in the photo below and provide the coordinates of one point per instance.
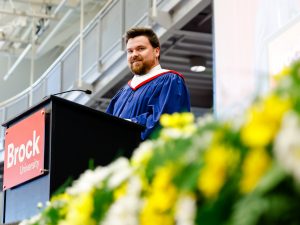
(242, 31)
(234, 25)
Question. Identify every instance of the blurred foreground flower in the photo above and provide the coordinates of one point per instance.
(240, 172)
(177, 125)
(287, 145)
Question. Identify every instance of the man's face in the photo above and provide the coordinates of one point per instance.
(141, 56)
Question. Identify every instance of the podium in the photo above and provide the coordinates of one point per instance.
(53, 141)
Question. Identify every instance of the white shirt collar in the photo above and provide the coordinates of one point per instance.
(137, 79)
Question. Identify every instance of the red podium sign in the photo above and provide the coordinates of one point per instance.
(24, 150)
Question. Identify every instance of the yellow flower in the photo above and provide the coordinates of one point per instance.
(187, 118)
(256, 134)
(275, 107)
(149, 217)
(283, 73)
(211, 180)
(61, 197)
(216, 155)
(263, 121)
(189, 129)
(163, 177)
(80, 210)
(219, 161)
(176, 126)
(221, 156)
(161, 199)
(254, 167)
(167, 120)
(120, 191)
(176, 120)
(63, 200)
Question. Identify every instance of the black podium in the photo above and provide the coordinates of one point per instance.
(73, 136)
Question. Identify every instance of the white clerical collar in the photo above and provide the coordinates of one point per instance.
(138, 79)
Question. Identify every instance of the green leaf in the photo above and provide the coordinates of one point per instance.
(217, 211)
(248, 210)
(103, 198)
(274, 176)
(186, 179)
(63, 187)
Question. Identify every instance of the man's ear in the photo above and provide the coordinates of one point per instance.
(157, 52)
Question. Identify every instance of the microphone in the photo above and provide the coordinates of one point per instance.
(87, 91)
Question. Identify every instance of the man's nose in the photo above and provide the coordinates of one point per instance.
(135, 53)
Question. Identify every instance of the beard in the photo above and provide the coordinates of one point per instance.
(140, 67)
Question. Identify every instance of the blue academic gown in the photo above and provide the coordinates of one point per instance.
(164, 93)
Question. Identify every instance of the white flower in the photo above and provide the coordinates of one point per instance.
(205, 119)
(142, 153)
(32, 220)
(90, 179)
(202, 141)
(125, 211)
(171, 133)
(185, 210)
(118, 164)
(119, 176)
(40, 205)
(287, 144)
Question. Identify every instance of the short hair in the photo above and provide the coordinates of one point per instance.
(143, 31)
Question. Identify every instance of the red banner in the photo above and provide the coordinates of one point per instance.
(24, 150)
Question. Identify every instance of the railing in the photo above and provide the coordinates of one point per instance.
(102, 39)
(102, 52)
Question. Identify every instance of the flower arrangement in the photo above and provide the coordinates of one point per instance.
(243, 171)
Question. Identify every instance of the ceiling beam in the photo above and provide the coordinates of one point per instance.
(186, 53)
(195, 35)
(15, 40)
(180, 60)
(27, 14)
(194, 46)
(11, 52)
(70, 3)
(186, 44)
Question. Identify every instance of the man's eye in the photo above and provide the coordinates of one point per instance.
(129, 51)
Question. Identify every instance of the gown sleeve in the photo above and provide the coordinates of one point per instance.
(111, 109)
(168, 96)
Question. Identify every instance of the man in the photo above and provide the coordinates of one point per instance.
(152, 91)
